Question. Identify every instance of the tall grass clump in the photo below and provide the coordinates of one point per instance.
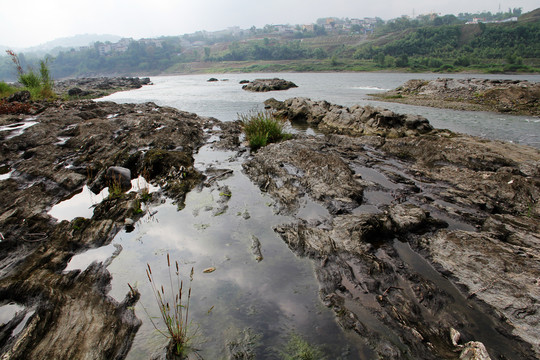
(174, 309)
(40, 84)
(262, 128)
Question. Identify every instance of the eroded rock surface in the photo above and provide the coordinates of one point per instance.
(356, 120)
(506, 96)
(68, 145)
(444, 236)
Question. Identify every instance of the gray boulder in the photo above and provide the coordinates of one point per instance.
(119, 176)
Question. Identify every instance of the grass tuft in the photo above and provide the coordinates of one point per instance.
(262, 128)
(173, 305)
(299, 349)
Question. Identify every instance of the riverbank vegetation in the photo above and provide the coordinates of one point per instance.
(502, 42)
(39, 83)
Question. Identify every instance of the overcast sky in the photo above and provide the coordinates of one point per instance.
(26, 23)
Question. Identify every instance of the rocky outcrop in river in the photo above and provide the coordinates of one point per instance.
(356, 120)
(264, 85)
(98, 87)
(470, 206)
(505, 96)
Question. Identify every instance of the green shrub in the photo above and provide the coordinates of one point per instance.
(6, 89)
(39, 84)
(262, 128)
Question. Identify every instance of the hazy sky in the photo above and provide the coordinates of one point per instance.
(26, 23)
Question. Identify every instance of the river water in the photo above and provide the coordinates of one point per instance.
(225, 99)
(262, 302)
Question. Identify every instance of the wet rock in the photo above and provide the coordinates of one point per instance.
(35, 248)
(411, 218)
(474, 350)
(355, 121)
(119, 177)
(431, 180)
(493, 271)
(256, 248)
(96, 87)
(19, 96)
(290, 169)
(78, 92)
(264, 85)
(520, 97)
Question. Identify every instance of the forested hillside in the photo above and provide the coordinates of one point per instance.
(427, 43)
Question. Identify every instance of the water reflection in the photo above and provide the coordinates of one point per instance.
(272, 297)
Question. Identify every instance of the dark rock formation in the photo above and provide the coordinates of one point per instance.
(264, 85)
(19, 96)
(118, 176)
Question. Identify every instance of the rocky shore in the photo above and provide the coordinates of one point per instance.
(68, 145)
(98, 87)
(469, 206)
(426, 242)
(504, 96)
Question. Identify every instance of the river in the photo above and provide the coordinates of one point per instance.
(225, 99)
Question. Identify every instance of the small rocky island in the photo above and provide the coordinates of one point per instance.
(429, 247)
(98, 87)
(264, 85)
(505, 96)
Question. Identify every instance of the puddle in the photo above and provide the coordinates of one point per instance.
(99, 255)
(483, 329)
(8, 311)
(311, 211)
(62, 140)
(22, 324)
(82, 204)
(17, 129)
(375, 176)
(6, 175)
(273, 297)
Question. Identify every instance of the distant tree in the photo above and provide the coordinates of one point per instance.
(319, 30)
(402, 61)
(319, 53)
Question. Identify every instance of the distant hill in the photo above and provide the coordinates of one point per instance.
(530, 16)
(73, 42)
